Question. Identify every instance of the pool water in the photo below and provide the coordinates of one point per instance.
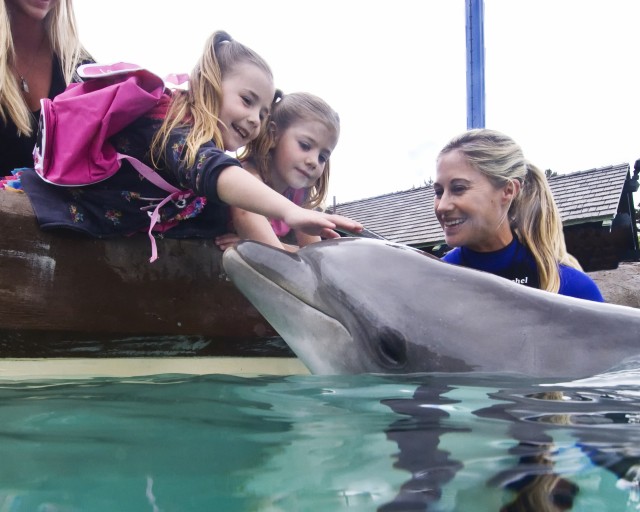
(437, 442)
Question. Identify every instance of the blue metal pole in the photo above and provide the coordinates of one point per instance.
(475, 63)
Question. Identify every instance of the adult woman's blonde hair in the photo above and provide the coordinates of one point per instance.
(290, 109)
(533, 214)
(199, 106)
(547, 492)
(60, 26)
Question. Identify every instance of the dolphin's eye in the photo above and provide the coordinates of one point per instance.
(392, 347)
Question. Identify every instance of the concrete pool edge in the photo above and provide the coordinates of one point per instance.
(80, 368)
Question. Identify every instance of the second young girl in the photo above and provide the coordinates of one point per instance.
(185, 139)
(292, 157)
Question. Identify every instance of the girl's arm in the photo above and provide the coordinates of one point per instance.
(304, 239)
(252, 226)
(237, 187)
(249, 226)
(218, 176)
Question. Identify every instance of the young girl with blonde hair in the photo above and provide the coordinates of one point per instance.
(292, 157)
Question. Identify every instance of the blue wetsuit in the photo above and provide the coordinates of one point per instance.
(515, 262)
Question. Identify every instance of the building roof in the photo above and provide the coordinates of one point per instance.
(590, 195)
(407, 217)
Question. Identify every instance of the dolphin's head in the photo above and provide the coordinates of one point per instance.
(337, 303)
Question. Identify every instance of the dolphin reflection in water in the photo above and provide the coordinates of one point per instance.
(355, 305)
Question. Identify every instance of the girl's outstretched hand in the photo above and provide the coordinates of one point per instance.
(316, 223)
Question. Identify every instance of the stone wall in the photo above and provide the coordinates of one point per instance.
(620, 285)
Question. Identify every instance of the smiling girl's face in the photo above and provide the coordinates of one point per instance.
(472, 211)
(300, 154)
(247, 94)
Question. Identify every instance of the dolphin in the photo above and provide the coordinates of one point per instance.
(355, 305)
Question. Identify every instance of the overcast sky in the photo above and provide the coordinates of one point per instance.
(562, 76)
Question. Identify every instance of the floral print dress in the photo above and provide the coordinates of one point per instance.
(121, 205)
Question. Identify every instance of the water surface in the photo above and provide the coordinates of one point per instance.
(424, 442)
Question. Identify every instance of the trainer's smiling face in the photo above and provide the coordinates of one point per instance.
(472, 212)
(247, 94)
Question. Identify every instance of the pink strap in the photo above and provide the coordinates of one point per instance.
(148, 173)
(158, 181)
(155, 217)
